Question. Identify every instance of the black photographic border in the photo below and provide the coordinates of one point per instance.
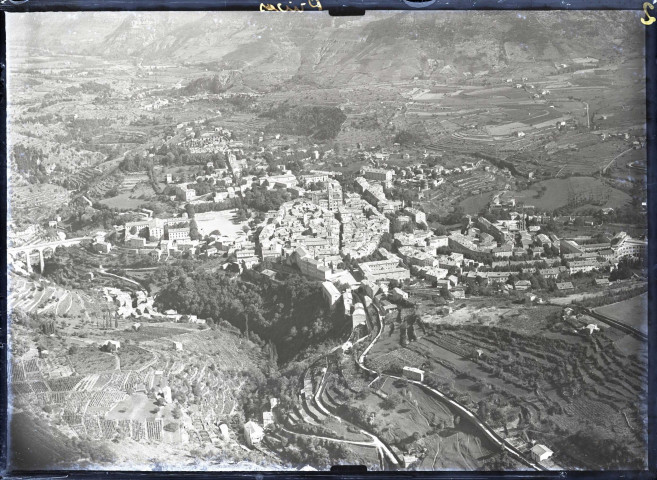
(354, 7)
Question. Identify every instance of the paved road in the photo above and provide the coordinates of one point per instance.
(494, 437)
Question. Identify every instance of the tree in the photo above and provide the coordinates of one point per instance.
(171, 427)
(623, 271)
(189, 208)
(386, 241)
(193, 231)
(391, 402)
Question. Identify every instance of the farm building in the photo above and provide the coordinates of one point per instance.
(540, 452)
(267, 419)
(530, 298)
(413, 373)
(562, 286)
(409, 460)
(458, 292)
(178, 346)
(522, 285)
(271, 274)
(166, 394)
(253, 433)
(223, 428)
(102, 247)
(592, 327)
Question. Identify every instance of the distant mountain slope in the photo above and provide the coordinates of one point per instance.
(383, 46)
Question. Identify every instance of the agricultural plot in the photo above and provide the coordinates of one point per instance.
(82, 177)
(150, 333)
(103, 185)
(632, 312)
(124, 201)
(397, 357)
(537, 367)
(413, 422)
(134, 358)
(64, 384)
(43, 297)
(575, 192)
(38, 201)
(234, 352)
(92, 360)
(17, 372)
(103, 401)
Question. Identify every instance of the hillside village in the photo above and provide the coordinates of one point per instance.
(233, 280)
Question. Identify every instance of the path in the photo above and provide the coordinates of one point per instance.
(496, 439)
(611, 162)
(105, 272)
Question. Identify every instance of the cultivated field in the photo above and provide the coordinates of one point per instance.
(552, 194)
(632, 312)
(531, 371)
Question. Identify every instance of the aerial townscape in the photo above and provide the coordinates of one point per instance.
(245, 241)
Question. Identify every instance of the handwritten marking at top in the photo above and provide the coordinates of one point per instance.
(268, 7)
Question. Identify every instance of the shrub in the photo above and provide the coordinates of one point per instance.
(171, 427)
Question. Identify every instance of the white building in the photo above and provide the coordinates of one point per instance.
(540, 452)
(178, 234)
(413, 373)
(331, 294)
(225, 434)
(358, 317)
(253, 433)
(267, 419)
(166, 394)
(347, 301)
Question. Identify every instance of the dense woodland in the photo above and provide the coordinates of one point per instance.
(314, 121)
(291, 314)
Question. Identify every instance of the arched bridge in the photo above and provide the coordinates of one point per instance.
(27, 250)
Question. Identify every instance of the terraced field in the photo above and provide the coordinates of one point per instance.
(46, 297)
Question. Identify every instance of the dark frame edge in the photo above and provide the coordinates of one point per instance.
(246, 5)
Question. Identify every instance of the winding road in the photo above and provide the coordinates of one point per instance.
(485, 429)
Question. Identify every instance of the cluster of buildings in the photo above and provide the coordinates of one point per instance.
(301, 223)
(325, 229)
